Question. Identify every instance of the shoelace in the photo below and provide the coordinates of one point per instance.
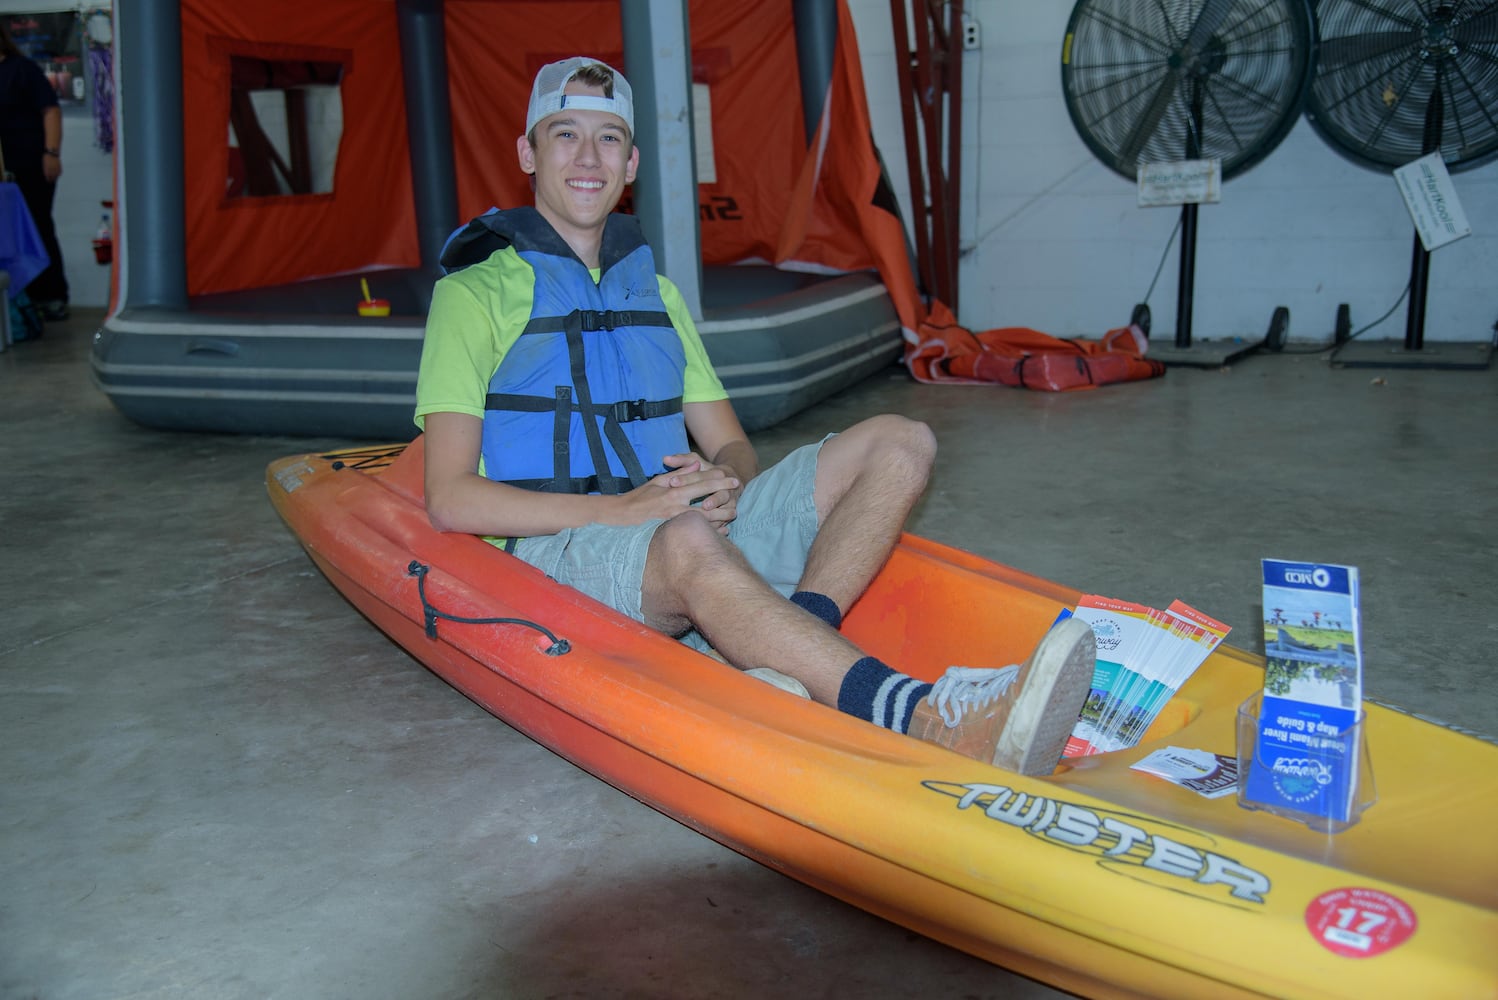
(961, 688)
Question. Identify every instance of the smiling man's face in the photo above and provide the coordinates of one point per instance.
(582, 160)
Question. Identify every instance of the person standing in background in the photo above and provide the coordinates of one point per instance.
(31, 140)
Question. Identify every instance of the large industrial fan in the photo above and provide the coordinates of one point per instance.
(1159, 81)
(1396, 80)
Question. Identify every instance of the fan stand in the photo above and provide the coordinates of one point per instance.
(1207, 353)
(1415, 352)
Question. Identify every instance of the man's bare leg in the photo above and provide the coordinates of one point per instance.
(1016, 717)
(694, 577)
(868, 479)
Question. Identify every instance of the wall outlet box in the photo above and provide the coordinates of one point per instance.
(972, 37)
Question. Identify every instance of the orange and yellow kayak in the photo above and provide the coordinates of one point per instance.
(1098, 879)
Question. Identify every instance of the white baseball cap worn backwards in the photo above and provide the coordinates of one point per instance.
(548, 97)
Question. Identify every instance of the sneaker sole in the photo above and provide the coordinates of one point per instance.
(1055, 680)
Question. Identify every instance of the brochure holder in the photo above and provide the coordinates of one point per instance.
(1364, 795)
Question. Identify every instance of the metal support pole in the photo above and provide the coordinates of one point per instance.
(1186, 279)
(1414, 322)
(153, 268)
(816, 42)
(658, 63)
(910, 73)
(931, 107)
(952, 113)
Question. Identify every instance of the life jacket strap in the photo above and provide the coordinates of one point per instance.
(561, 436)
(594, 320)
(614, 416)
(628, 410)
(624, 411)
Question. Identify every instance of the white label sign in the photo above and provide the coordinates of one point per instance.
(1182, 182)
(1431, 199)
(702, 134)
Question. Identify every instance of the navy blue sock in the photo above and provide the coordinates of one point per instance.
(875, 693)
(820, 605)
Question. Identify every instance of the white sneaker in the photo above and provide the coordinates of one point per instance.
(1016, 717)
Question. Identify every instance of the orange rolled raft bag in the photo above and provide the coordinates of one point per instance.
(1025, 358)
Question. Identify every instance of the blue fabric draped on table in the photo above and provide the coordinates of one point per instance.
(22, 256)
(21, 252)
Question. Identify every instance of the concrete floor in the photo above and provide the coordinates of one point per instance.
(221, 781)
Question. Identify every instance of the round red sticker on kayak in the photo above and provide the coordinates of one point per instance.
(1359, 923)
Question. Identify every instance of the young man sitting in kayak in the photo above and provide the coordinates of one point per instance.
(560, 379)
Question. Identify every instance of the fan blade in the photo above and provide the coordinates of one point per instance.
(1207, 23)
(1144, 128)
(1127, 32)
(1335, 53)
(1482, 29)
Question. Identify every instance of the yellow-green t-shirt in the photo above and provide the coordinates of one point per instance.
(479, 312)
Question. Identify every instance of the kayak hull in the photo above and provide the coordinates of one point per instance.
(1098, 879)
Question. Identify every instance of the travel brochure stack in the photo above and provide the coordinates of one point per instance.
(1144, 655)
(1300, 747)
(1306, 753)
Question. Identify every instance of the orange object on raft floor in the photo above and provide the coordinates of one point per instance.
(369, 306)
(1098, 879)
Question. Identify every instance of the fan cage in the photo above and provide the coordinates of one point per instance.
(1131, 81)
(1381, 61)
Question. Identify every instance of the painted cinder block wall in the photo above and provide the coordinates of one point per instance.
(1053, 239)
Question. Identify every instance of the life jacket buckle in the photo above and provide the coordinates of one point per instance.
(593, 319)
(629, 410)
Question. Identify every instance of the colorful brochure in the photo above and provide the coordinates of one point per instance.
(1144, 655)
(1306, 754)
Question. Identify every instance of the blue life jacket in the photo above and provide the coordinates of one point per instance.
(589, 398)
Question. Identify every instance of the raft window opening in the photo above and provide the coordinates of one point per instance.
(285, 126)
